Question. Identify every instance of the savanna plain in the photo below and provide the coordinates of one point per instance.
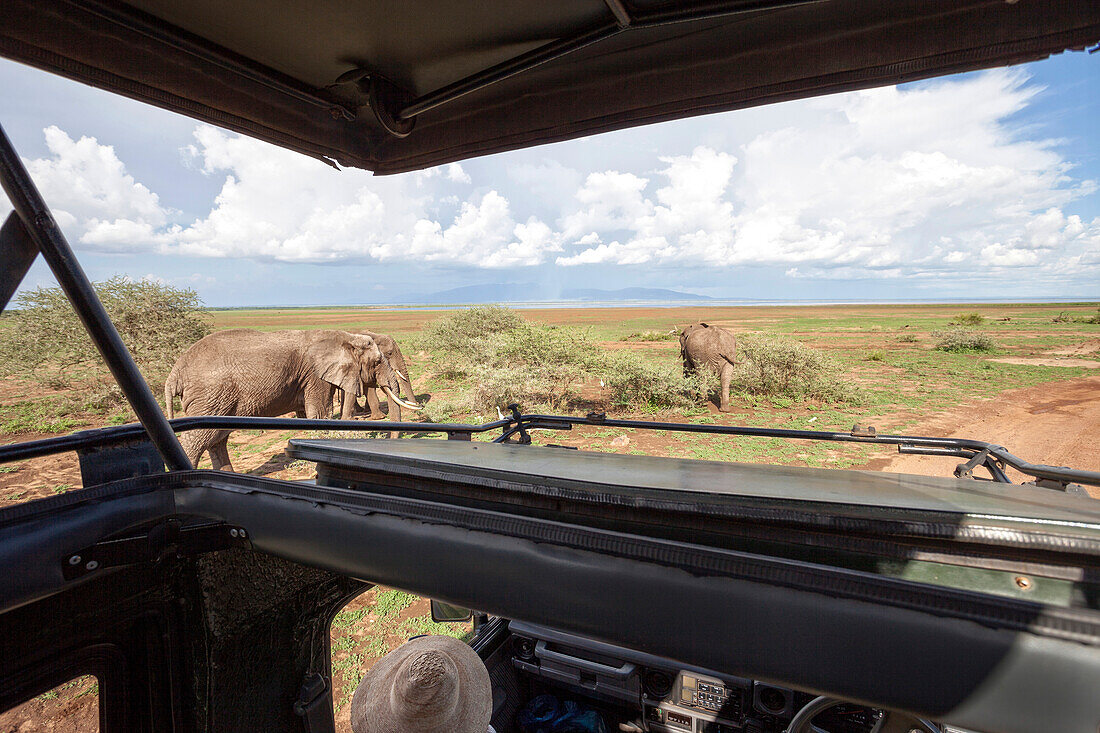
(1021, 375)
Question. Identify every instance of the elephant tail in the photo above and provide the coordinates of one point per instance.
(171, 391)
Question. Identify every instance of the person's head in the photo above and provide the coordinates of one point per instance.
(432, 684)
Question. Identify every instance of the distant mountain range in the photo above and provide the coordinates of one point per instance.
(534, 292)
(629, 294)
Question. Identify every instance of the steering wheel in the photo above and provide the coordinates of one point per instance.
(890, 722)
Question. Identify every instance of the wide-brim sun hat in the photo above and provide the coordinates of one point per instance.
(432, 684)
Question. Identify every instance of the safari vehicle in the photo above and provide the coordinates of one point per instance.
(674, 595)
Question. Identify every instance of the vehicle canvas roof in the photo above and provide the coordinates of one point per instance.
(395, 87)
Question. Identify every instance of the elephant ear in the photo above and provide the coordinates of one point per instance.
(342, 366)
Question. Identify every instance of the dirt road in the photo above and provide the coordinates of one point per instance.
(1057, 424)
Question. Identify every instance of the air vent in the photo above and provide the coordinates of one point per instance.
(774, 700)
(657, 683)
(524, 647)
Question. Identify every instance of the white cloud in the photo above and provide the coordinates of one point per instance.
(92, 197)
(609, 200)
(452, 172)
(277, 205)
(548, 184)
(924, 182)
(482, 234)
(872, 183)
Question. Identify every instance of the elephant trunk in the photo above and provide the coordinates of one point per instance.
(397, 363)
(392, 390)
(406, 386)
(392, 387)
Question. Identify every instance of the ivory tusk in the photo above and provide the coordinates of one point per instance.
(398, 400)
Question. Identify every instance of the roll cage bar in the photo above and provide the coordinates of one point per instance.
(516, 429)
(31, 229)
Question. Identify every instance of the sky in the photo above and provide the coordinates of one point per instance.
(981, 185)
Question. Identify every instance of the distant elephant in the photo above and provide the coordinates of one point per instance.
(266, 374)
(704, 345)
(392, 352)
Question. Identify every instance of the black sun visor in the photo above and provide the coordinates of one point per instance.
(394, 87)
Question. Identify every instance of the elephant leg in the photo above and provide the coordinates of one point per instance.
(197, 442)
(374, 404)
(348, 405)
(395, 416)
(725, 375)
(192, 447)
(219, 455)
(317, 401)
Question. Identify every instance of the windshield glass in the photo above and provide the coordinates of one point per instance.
(920, 258)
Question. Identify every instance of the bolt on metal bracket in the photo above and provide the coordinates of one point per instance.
(168, 539)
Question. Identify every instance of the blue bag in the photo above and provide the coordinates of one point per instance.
(547, 714)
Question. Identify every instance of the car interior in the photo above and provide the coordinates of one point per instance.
(668, 595)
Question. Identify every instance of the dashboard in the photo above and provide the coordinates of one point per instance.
(668, 697)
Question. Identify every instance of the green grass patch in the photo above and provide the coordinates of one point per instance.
(425, 625)
(48, 415)
(345, 619)
(390, 602)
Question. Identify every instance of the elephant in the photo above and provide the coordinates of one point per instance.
(266, 374)
(392, 352)
(702, 344)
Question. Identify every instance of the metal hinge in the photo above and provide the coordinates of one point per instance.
(170, 538)
(314, 704)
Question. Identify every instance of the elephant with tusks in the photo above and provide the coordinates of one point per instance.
(266, 374)
(704, 345)
(389, 348)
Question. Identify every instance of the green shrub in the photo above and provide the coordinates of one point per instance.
(651, 336)
(495, 388)
(461, 328)
(45, 338)
(969, 319)
(875, 356)
(779, 367)
(445, 408)
(509, 360)
(505, 359)
(1095, 318)
(908, 338)
(636, 383)
(959, 340)
(550, 346)
(539, 366)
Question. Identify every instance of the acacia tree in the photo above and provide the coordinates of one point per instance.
(43, 337)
